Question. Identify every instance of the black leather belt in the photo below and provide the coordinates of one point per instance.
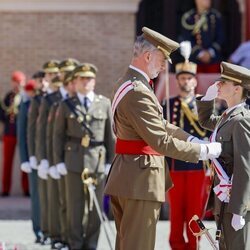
(92, 143)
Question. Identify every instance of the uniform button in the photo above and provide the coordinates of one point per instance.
(191, 131)
(220, 137)
(69, 148)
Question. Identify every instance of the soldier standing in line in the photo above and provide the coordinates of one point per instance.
(22, 132)
(186, 197)
(8, 114)
(83, 139)
(51, 70)
(33, 180)
(56, 190)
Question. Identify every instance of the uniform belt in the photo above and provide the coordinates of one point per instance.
(134, 147)
(92, 143)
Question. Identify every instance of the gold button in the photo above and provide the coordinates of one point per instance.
(69, 148)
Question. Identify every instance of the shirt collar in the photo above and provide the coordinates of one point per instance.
(90, 96)
(234, 107)
(63, 92)
(140, 71)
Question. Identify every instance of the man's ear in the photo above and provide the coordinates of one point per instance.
(147, 56)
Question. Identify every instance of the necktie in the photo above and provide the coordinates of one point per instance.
(85, 103)
(151, 83)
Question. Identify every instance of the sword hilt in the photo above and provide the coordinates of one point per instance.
(199, 223)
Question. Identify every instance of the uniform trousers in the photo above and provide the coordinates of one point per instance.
(35, 203)
(9, 145)
(53, 209)
(135, 222)
(186, 200)
(44, 204)
(81, 235)
(208, 68)
(63, 209)
(231, 239)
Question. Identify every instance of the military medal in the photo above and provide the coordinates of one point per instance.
(85, 141)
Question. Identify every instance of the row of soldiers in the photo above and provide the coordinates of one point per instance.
(68, 130)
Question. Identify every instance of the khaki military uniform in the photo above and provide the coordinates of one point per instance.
(52, 185)
(234, 135)
(68, 134)
(140, 181)
(34, 180)
(41, 149)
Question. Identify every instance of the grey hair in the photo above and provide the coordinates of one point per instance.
(142, 45)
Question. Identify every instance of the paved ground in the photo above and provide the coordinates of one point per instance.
(17, 234)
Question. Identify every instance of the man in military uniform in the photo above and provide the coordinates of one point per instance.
(51, 71)
(83, 140)
(56, 182)
(186, 197)
(8, 115)
(138, 180)
(203, 28)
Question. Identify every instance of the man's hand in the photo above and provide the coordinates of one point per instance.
(43, 169)
(33, 162)
(204, 56)
(26, 168)
(238, 222)
(210, 151)
(211, 94)
(61, 168)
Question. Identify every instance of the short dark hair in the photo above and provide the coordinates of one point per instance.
(38, 74)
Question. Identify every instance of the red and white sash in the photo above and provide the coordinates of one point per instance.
(120, 93)
(223, 189)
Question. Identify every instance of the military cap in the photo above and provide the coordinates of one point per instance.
(68, 77)
(166, 45)
(56, 81)
(235, 73)
(51, 66)
(68, 65)
(85, 70)
(186, 67)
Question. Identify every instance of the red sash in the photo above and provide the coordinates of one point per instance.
(134, 147)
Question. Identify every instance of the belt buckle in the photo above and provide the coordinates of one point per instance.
(85, 141)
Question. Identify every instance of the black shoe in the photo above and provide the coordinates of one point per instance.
(5, 194)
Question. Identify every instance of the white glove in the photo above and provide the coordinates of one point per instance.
(210, 151)
(238, 222)
(43, 169)
(61, 168)
(211, 93)
(26, 168)
(33, 162)
(54, 173)
(194, 139)
(107, 168)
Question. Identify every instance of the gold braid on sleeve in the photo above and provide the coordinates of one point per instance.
(193, 118)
